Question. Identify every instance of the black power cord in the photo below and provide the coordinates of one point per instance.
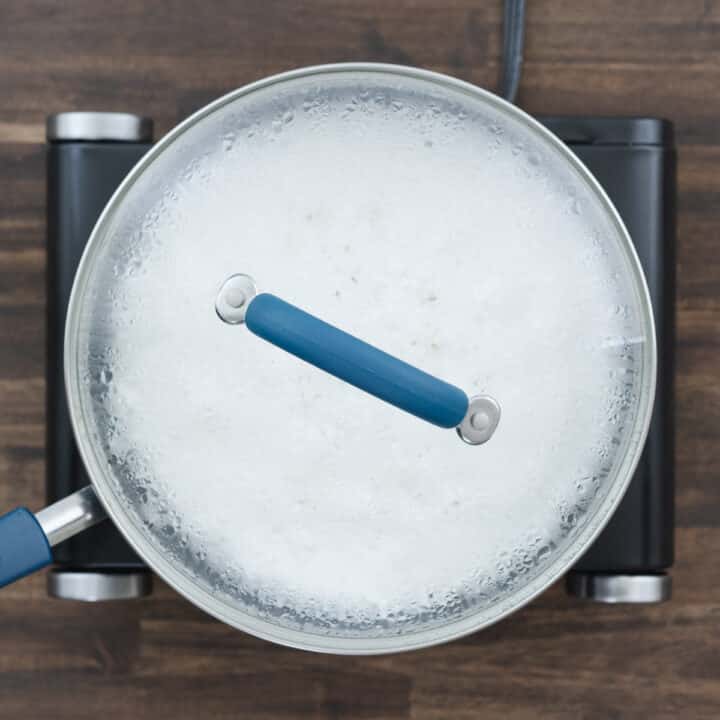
(513, 39)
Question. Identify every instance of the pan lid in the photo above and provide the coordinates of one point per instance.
(439, 224)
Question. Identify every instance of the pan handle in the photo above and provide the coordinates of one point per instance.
(26, 539)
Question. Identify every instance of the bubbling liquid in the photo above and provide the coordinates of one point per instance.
(435, 227)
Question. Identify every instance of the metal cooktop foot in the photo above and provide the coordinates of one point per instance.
(91, 586)
(607, 588)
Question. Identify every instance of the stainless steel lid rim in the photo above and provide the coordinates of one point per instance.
(266, 629)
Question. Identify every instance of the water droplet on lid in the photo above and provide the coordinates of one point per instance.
(543, 552)
(228, 141)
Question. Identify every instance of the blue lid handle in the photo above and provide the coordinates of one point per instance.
(24, 548)
(355, 361)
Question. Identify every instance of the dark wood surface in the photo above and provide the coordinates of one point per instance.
(161, 658)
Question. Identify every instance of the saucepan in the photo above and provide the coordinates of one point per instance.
(359, 359)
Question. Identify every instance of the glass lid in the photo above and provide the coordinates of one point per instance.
(429, 219)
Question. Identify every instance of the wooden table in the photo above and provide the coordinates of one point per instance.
(160, 657)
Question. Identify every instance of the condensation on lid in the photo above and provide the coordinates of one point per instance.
(430, 221)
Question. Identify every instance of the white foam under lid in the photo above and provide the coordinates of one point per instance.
(428, 222)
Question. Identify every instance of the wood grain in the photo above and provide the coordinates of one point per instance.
(161, 657)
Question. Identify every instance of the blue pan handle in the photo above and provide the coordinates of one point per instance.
(24, 547)
(356, 362)
(25, 538)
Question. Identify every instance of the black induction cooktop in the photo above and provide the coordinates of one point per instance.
(633, 159)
